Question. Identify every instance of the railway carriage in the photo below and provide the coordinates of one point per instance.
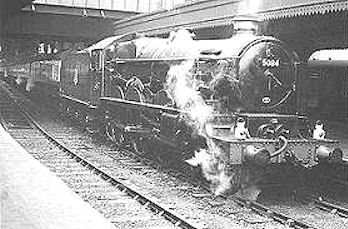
(17, 73)
(45, 75)
(41, 75)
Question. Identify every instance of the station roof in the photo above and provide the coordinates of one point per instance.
(293, 8)
(57, 8)
(329, 58)
(59, 20)
(210, 14)
(10, 7)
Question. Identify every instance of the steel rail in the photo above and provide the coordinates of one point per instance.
(277, 216)
(335, 180)
(266, 211)
(176, 219)
(333, 208)
(2, 120)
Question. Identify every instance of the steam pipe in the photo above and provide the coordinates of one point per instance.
(279, 151)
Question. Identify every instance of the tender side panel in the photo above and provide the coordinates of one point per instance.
(76, 78)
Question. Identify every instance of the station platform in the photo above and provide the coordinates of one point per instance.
(33, 197)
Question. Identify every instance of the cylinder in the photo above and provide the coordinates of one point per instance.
(332, 155)
(258, 156)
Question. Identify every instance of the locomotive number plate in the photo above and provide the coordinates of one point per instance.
(270, 63)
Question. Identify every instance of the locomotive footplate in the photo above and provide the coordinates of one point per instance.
(109, 101)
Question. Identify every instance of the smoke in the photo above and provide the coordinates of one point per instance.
(213, 161)
(250, 192)
(18, 80)
(249, 176)
(30, 84)
(180, 80)
(181, 86)
(213, 169)
(249, 6)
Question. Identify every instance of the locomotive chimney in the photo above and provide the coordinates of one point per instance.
(246, 24)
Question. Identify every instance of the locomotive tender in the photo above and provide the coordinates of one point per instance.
(245, 89)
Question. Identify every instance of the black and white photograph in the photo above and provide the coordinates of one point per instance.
(182, 114)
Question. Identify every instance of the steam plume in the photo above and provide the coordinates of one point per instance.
(180, 85)
(18, 80)
(249, 6)
(29, 85)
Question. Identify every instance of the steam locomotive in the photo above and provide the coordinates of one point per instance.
(229, 105)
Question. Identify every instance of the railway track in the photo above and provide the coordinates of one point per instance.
(331, 194)
(337, 174)
(330, 207)
(306, 206)
(276, 215)
(266, 212)
(84, 176)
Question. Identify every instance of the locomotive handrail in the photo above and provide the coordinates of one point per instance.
(271, 115)
(271, 141)
(140, 105)
(260, 115)
(124, 60)
(77, 100)
(282, 100)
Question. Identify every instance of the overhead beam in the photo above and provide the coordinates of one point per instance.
(9, 8)
(192, 15)
(205, 13)
(309, 33)
(62, 27)
(78, 11)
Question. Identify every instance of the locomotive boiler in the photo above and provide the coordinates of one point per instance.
(229, 105)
